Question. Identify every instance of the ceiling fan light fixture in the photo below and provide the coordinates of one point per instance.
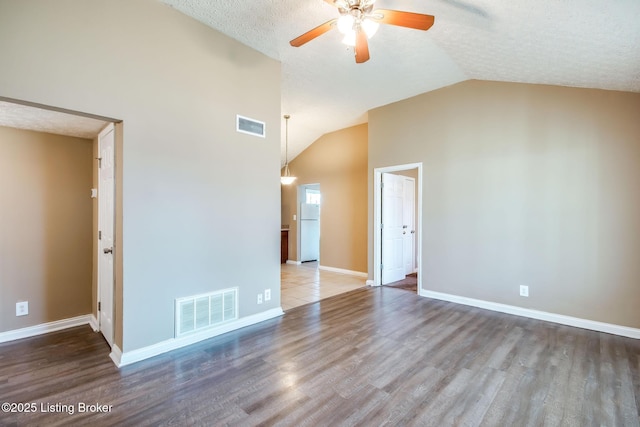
(350, 38)
(345, 23)
(370, 27)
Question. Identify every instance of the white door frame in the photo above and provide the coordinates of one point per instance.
(377, 219)
(111, 340)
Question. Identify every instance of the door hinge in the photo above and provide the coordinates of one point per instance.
(99, 159)
(382, 185)
(381, 266)
(99, 305)
(99, 235)
(381, 226)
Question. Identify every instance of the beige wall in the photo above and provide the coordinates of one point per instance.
(177, 85)
(524, 185)
(338, 162)
(45, 227)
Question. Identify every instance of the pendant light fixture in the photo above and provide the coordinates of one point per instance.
(286, 179)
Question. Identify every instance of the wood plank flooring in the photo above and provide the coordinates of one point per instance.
(409, 283)
(370, 357)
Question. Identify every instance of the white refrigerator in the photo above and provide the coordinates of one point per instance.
(309, 232)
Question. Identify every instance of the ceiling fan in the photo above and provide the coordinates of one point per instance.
(359, 22)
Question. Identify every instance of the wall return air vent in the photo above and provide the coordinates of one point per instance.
(250, 126)
(200, 312)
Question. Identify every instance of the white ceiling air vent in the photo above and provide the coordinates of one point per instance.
(204, 311)
(250, 126)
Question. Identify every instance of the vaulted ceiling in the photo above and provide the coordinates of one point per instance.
(581, 43)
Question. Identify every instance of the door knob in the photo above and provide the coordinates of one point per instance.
(404, 232)
(108, 250)
(413, 231)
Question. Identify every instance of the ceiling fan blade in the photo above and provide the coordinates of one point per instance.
(310, 35)
(362, 47)
(417, 21)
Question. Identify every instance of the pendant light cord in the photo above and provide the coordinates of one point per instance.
(286, 145)
(286, 179)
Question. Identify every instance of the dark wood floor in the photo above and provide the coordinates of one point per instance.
(371, 357)
(409, 283)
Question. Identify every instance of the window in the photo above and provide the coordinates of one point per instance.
(312, 196)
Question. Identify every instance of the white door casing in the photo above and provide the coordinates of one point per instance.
(408, 224)
(106, 218)
(391, 232)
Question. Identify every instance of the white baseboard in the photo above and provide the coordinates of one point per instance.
(44, 328)
(116, 355)
(121, 358)
(593, 325)
(343, 271)
(93, 322)
(294, 262)
(369, 282)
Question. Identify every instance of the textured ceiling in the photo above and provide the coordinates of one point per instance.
(49, 121)
(582, 43)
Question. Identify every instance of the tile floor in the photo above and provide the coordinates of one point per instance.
(305, 283)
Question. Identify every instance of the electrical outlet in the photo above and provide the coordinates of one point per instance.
(259, 298)
(524, 291)
(267, 294)
(22, 308)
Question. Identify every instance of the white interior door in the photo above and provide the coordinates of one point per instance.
(408, 224)
(106, 213)
(391, 233)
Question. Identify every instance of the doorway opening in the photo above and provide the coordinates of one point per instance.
(397, 243)
(93, 288)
